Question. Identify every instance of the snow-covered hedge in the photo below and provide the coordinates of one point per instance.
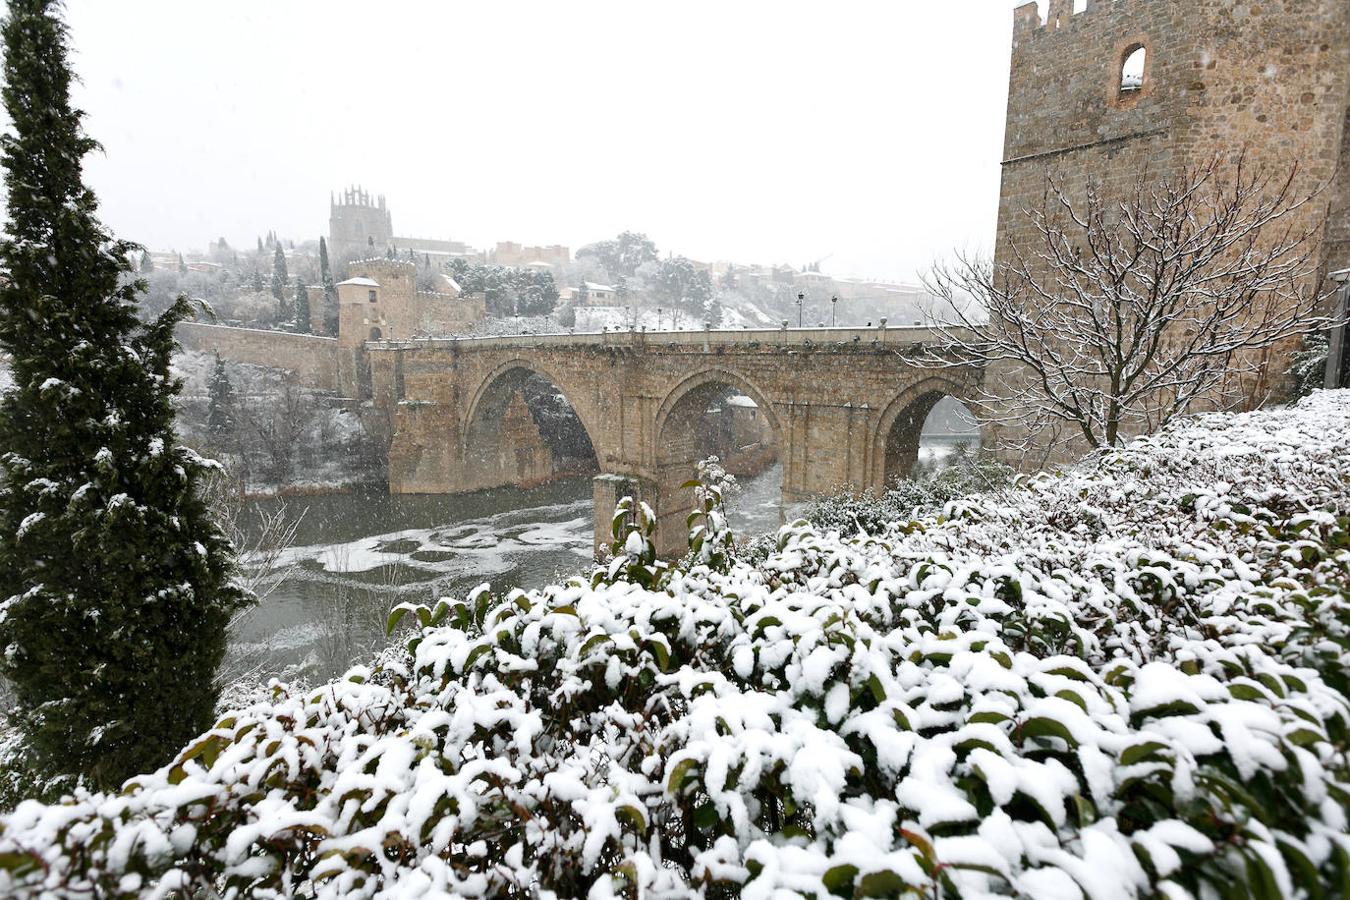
(1127, 681)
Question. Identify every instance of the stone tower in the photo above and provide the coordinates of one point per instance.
(1124, 87)
(359, 226)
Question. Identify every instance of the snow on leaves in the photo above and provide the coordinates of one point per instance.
(1126, 681)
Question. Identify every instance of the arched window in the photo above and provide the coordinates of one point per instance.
(375, 334)
(1132, 69)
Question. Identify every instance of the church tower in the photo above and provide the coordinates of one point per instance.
(359, 226)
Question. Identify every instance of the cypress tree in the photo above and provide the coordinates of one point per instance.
(147, 264)
(301, 307)
(279, 276)
(116, 588)
(220, 405)
(330, 304)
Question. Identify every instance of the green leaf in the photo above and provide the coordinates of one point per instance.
(839, 880)
(881, 884)
(633, 816)
(1139, 752)
(682, 770)
(1040, 727)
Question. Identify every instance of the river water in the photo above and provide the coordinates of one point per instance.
(356, 556)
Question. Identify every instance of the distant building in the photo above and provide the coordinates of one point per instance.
(592, 294)
(381, 302)
(358, 225)
(509, 253)
(361, 227)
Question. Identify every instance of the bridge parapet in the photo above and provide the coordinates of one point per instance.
(747, 337)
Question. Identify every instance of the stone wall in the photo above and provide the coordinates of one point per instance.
(1272, 79)
(313, 359)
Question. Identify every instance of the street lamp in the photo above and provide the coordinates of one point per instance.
(833, 301)
(801, 298)
(658, 318)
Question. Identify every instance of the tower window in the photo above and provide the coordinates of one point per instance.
(1132, 70)
(371, 296)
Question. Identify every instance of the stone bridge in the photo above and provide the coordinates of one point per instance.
(844, 409)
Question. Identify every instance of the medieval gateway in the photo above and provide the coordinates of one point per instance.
(1096, 90)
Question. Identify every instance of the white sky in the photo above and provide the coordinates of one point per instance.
(754, 131)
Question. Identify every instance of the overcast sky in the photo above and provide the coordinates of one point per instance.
(756, 131)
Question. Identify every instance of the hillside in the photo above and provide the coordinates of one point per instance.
(1126, 680)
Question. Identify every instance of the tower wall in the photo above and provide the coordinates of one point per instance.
(1272, 79)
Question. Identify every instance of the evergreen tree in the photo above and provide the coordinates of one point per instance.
(147, 264)
(330, 303)
(302, 323)
(116, 587)
(260, 245)
(220, 405)
(257, 283)
(279, 276)
(325, 270)
(182, 266)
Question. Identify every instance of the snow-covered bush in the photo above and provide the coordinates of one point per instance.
(926, 490)
(1127, 681)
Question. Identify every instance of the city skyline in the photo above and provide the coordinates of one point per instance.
(777, 137)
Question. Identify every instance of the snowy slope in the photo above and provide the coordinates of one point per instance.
(1126, 681)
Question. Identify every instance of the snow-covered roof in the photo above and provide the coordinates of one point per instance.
(452, 284)
(539, 264)
(592, 286)
(742, 401)
(362, 281)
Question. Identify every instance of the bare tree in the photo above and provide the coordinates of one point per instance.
(1124, 312)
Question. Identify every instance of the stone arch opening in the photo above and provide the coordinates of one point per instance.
(1133, 68)
(924, 427)
(522, 430)
(376, 334)
(717, 413)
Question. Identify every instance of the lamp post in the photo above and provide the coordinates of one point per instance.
(658, 318)
(801, 298)
(833, 301)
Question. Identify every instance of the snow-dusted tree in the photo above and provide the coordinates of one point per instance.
(1128, 310)
(115, 585)
(279, 275)
(147, 264)
(302, 322)
(622, 256)
(220, 412)
(682, 285)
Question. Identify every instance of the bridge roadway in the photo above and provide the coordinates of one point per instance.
(844, 408)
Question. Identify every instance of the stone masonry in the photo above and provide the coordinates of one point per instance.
(1270, 78)
(846, 411)
(1267, 79)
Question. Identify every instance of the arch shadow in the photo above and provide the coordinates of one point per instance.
(895, 442)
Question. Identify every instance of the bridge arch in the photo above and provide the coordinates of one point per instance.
(713, 377)
(753, 439)
(895, 443)
(492, 457)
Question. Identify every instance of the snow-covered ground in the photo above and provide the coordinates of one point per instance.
(1126, 681)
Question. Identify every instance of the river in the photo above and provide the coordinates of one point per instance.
(356, 556)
